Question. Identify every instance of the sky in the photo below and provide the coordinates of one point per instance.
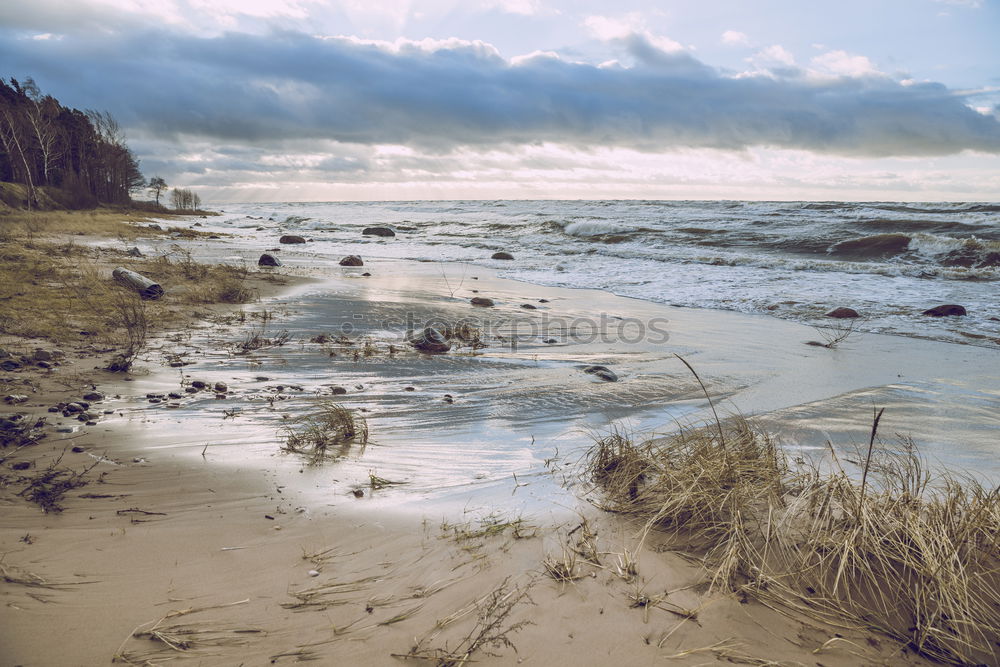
(315, 100)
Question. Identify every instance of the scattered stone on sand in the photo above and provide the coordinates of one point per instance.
(133, 252)
(842, 312)
(366, 274)
(93, 396)
(268, 259)
(77, 449)
(174, 395)
(199, 384)
(502, 255)
(9, 365)
(602, 372)
(14, 399)
(409, 388)
(429, 340)
(550, 341)
(291, 238)
(352, 260)
(191, 390)
(528, 306)
(378, 231)
(359, 493)
(481, 301)
(221, 387)
(42, 355)
(543, 301)
(20, 465)
(945, 310)
(336, 391)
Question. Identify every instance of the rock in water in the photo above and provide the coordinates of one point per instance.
(291, 238)
(351, 260)
(268, 260)
(502, 255)
(841, 313)
(378, 231)
(481, 301)
(945, 310)
(602, 372)
(429, 340)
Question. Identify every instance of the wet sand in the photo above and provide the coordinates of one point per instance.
(199, 507)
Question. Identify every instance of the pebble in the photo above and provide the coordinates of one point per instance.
(221, 387)
(93, 396)
(313, 573)
(199, 384)
(174, 394)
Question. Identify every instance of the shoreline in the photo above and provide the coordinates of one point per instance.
(237, 525)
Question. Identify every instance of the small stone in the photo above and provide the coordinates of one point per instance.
(174, 394)
(550, 341)
(378, 231)
(543, 301)
(44, 364)
(502, 255)
(352, 260)
(156, 400)
(291, 238)
(93, 396)
(134, 252)
(359, 493)
(481, 301)
(429, 340)
(366, 274)
(448, 399)
(602, 372)
(842, 313)
(313, 573)
(42, 355)
(77, 449)
(268, 259)
(199, 384)
(91, 423)
(336, 391)
(74, 407)
(409, 388)
(20, 465)
(191, 390)
(947, 310)
(221, 387)
(528, 306)
(54, 408)
(9, 365)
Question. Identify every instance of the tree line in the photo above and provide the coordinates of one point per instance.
(43, 143)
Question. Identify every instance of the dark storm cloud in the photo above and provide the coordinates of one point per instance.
(243, 88)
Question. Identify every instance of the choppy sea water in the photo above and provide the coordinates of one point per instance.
(793, 260)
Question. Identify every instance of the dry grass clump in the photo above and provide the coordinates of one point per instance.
(325, 433)
(887, 547)
(491, 632)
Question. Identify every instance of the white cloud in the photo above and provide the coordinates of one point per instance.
(629, 26)
(773, 55)
(841, 63)
(734, 38)
(522, 7)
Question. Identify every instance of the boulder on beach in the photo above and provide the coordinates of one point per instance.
(602, 372)
(945, 310)
(429, 340)
(481, 301)
(502, 255)
(268, 259)
(528, 306)
(378, 231)
(842, 312)
(291, 238)
(351, 260)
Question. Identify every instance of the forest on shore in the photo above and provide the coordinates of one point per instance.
(44, 144)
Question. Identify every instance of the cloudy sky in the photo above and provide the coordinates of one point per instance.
(257, 100)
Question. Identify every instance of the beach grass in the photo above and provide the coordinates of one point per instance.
(325, 433)
(889, 548)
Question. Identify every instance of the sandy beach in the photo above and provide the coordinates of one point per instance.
(466, 528)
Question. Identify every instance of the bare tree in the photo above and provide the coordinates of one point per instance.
(157, 185)
(13, 137)
(40, 114)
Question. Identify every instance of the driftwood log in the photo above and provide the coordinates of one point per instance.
(146, 288)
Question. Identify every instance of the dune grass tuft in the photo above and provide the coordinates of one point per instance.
(904, 553)
(326, 433)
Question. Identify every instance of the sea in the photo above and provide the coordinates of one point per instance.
(889, 261)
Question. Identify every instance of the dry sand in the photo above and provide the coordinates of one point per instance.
(234, 554)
